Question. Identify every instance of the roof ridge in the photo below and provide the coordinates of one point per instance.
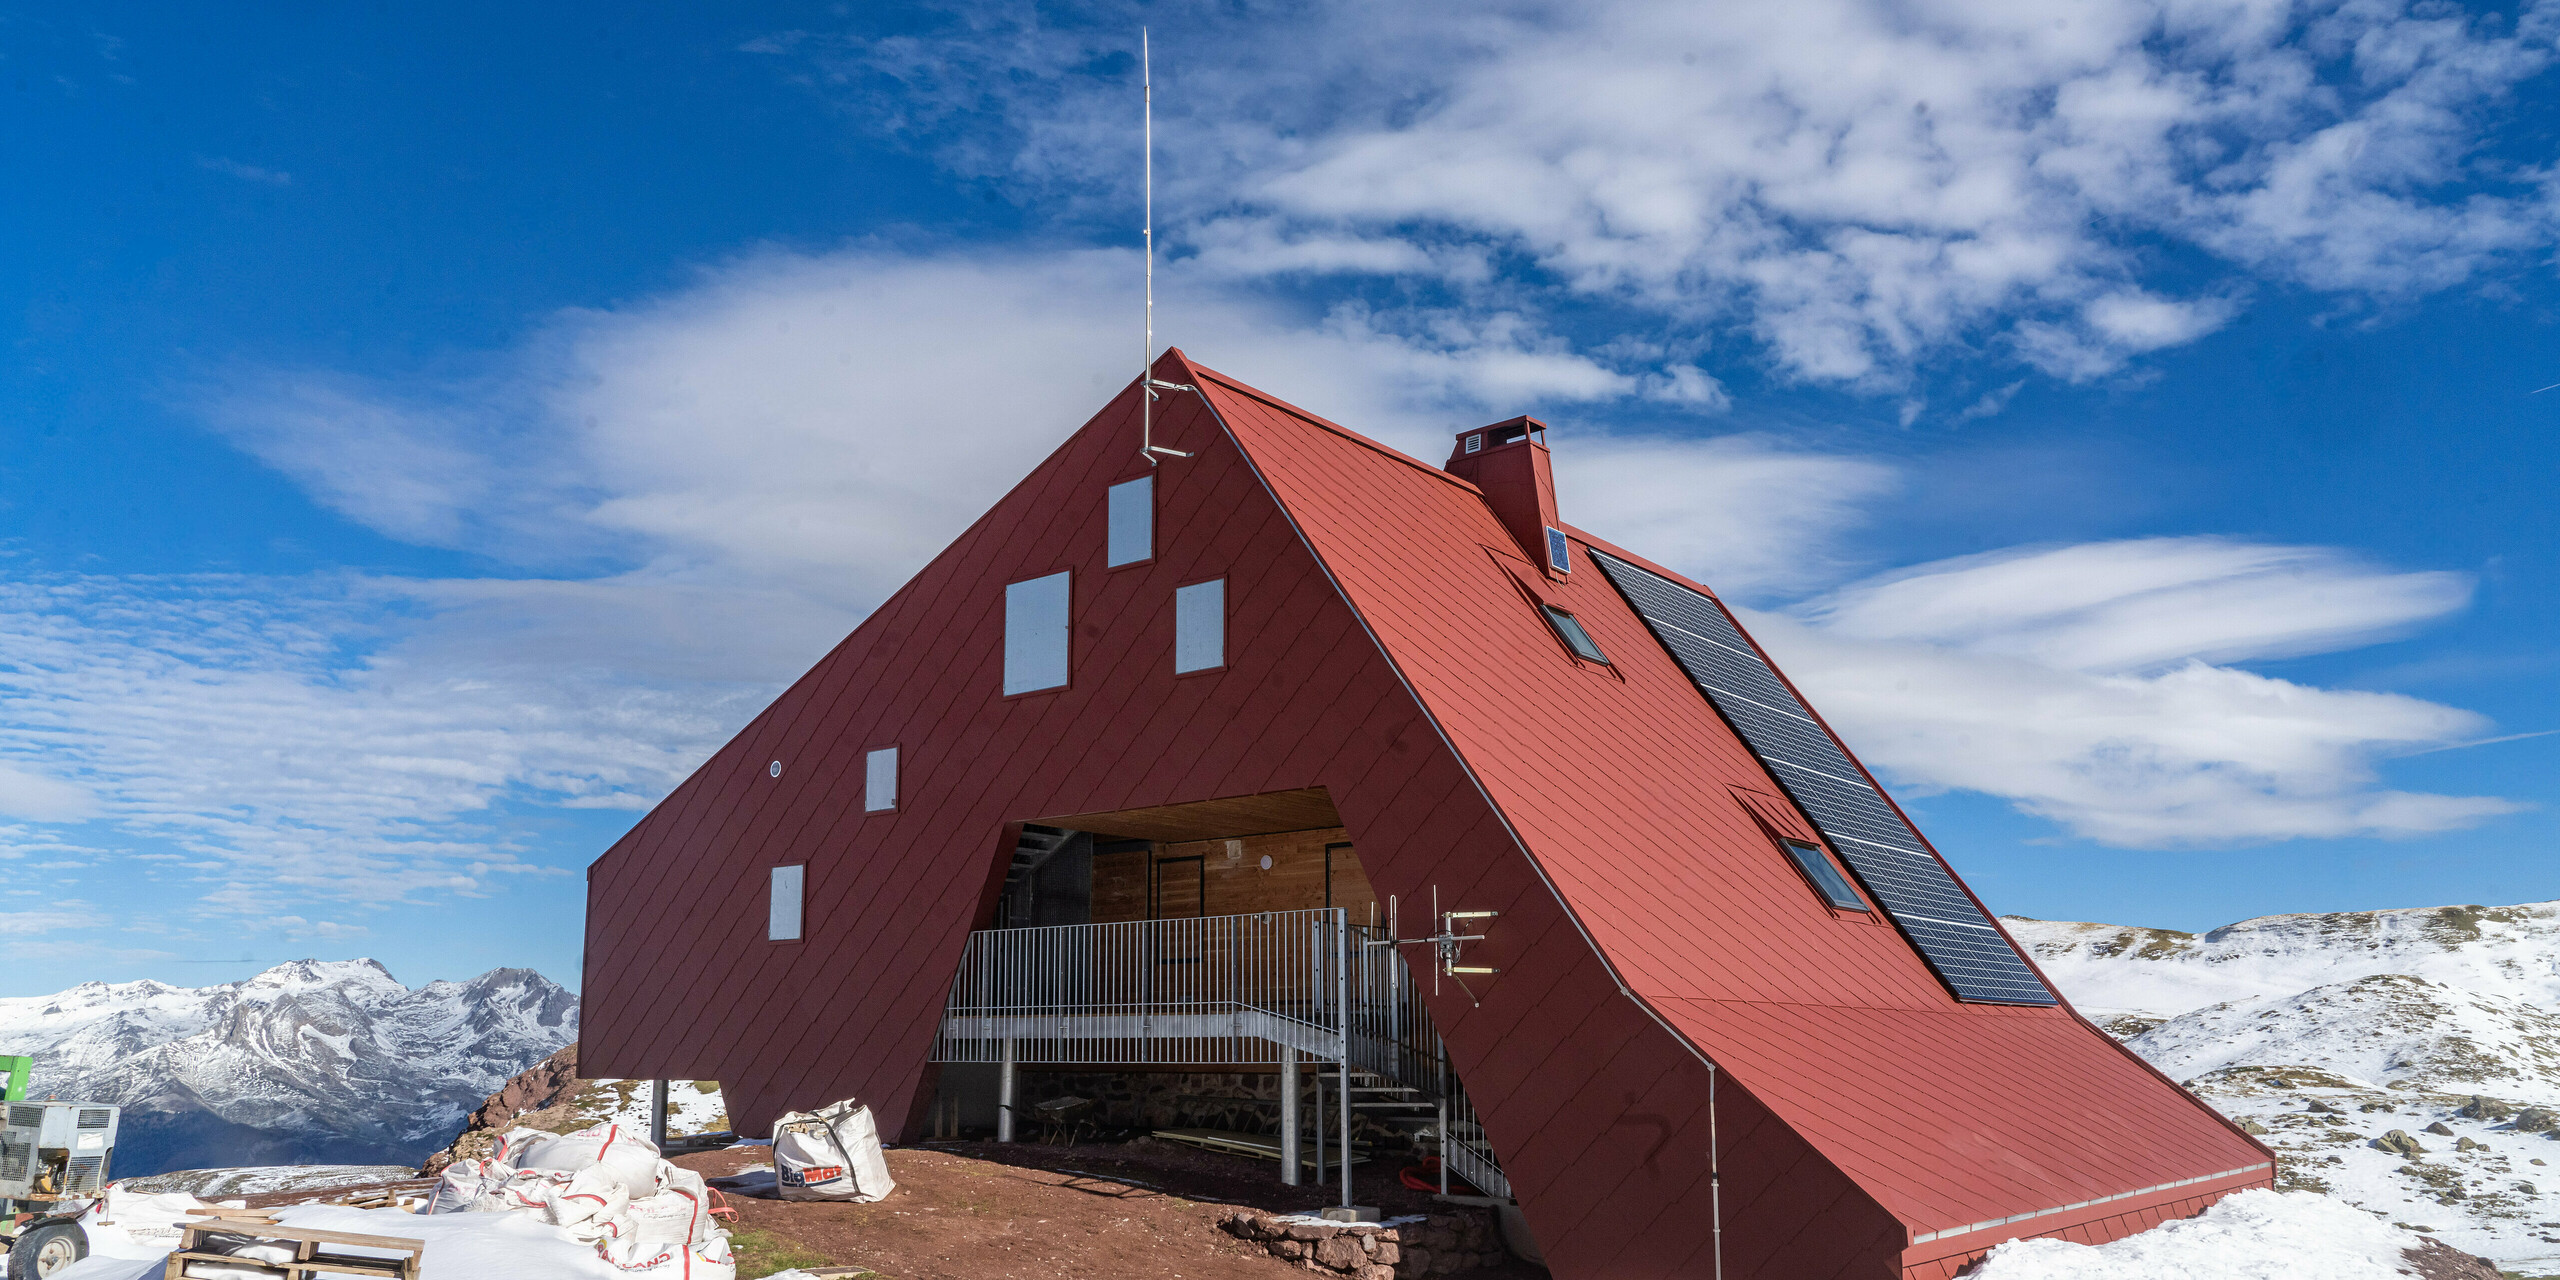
(1589, 539)
(1232, 384)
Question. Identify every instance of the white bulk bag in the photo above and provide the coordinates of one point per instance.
(631, 1159)
(590, 1204)
(670, 1260)
(832, 1153)
(679, 1214)
(460, 1186)
(515, 1142)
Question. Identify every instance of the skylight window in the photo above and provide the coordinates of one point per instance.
(1827, 879)
(1575, 638)
(1133, 522)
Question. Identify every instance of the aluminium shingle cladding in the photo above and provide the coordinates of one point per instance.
(1622, 785)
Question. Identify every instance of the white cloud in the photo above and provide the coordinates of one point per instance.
(757, 458)
(25, 793)
(1862, 186)
(2143, 603)
(1744, 513)
(2080, 684)
(721, 481)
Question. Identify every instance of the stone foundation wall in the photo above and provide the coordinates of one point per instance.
(1237, 1101)
(1433, 1246)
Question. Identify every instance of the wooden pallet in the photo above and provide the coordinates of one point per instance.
(308, 1260)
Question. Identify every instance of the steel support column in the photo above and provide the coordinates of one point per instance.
(1004, 1090)
(1289, 1114)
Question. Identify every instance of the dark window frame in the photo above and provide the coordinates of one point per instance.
(1577, 638)
(1829, 882)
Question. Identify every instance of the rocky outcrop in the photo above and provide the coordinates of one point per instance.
(547, 1086)
(2436, 1260)
(1435, 1245)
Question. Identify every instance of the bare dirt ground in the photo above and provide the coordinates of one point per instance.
(1146, 1210)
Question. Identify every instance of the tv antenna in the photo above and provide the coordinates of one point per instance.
(1148, 386)
(1447, 945)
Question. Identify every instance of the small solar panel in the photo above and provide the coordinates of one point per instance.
(1559, 551)
(1869, 834)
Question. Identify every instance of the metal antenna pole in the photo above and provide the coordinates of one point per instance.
(1147, 234)
(1147, 384)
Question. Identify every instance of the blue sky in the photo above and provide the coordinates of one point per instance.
(427, 435)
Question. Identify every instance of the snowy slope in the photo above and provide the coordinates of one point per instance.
(307, 1062)
(2111, 970)
(2324, 1033)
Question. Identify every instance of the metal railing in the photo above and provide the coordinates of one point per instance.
(1212, 991)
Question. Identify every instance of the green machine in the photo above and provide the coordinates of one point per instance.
(53, 1166)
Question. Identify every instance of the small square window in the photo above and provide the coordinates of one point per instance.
(1133, 522)
(1559, 551)
(1035, 634)
(1575, 638)
(1200, 626)
(1827, 878)
(880, 780)
(782, 922)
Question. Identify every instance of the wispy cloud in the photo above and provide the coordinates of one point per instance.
(690, 497)
(1863, 188)
(244, 172)
(2091, 685)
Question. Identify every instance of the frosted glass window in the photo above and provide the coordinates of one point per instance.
(880, 780)
(1035, 634)
(783, 921)
(1200, 626)
(1133, 521)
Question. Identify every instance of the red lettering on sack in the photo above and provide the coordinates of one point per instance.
(813, 1174)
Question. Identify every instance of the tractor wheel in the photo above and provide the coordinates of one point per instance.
(47, 1250)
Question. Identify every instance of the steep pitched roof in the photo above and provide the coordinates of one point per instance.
(1637, 804)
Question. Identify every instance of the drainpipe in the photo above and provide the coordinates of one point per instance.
(1004, 1090)
(1288, 1114)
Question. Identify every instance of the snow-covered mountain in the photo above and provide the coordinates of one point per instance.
(308, 1062)
(2323, 1033)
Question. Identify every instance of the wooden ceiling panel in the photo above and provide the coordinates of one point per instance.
(1302, 810)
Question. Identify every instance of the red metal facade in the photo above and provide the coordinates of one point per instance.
(1383, 644)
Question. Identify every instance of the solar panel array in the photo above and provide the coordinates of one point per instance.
(1899, 872)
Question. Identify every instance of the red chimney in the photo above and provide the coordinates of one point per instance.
(1508, 461)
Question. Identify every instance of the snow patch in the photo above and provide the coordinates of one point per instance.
(2253, 1235)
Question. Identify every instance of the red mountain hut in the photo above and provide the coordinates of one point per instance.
(1226, 781)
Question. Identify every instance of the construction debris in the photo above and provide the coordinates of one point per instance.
(605, 1187)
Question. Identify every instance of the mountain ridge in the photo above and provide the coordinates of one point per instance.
(309, 1061)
